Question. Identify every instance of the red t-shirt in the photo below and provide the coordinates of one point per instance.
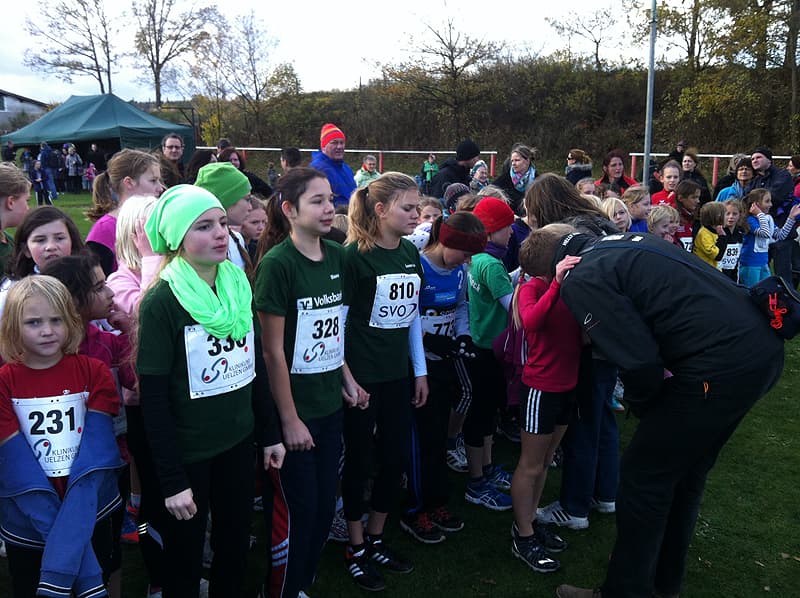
(662, 198)
(553, 337)
(73, 374)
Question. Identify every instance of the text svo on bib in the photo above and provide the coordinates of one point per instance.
(396, 301)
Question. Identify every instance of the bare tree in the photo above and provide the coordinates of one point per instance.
(442, 66)
(165, 34)
(74, 40)
(594, 28)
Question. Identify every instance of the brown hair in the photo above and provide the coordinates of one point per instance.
(553, 198)
(13, 181)
(107, 185)
(712, 214)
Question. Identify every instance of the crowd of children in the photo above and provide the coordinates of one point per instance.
(359, 373)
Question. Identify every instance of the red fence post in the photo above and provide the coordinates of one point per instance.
(633, 167)
(492, 161)
(715, 172)
(380, 161)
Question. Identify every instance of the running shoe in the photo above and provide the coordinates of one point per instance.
(487, 495)
(545, 535)
(499, 477)
(603, 506)
(457, 457)
(362, 570)
(553, 513)
(130, 531)
(338, 532)
(383, 555)
(445, 520)
(533, 554)
(421, 528)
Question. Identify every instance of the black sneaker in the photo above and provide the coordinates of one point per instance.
(362, 570)
(421, 528)
(383, 555)
(445, 520)
(533, 554)
(547, 537)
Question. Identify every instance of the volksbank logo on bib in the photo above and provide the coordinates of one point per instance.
(323, 300)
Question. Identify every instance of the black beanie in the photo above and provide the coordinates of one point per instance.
(467, 150)
(765, 151)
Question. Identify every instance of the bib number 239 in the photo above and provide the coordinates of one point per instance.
(396, 301)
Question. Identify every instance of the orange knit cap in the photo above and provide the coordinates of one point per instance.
(328, 133)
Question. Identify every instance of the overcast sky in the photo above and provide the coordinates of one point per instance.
(331, 44)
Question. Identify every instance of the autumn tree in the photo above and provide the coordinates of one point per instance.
(166, 33)
(73, 39)
(595, 28)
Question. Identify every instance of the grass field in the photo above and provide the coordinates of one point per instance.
(746, 542)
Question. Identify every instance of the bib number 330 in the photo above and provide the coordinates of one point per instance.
(217, 365)
(396, 301)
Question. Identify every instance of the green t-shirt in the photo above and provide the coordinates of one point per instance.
(207, 425)
(382, 293)
(488, 281)
(6, 249)
(307, 293)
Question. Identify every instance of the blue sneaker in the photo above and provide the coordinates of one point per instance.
(487, 495)
(498, 477)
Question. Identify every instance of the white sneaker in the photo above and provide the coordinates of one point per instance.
(203, 588)
(553, 513)
(3, 553)
(457, 457)
(603, 506)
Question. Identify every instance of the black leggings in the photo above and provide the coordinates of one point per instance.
(488, 395)
(389, 409)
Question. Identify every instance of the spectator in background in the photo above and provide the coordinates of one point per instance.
(455, 170)
(172, 150)
(479, 176)
(517, 175)
(677, 153)
(614, 172)
(272, 174)
(793, 169)
(223, 143)
(290, 157)
(741, 185)
(429, 170)
(235, 157)
(368, 171)
(73, 165)
(330, 160)
(729, 177)
(49, 162)
(779, 184)
(579, 165)
(9, 153)
(27, 160)
(96, 157)
(691, 172)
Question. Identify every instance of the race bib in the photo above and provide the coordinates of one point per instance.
(731, 257)
(440, 322)
(217, 365)
(53, 427)
(396, 301)
(687, 243)
(319, 340)
(761, 244)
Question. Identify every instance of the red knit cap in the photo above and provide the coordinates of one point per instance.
(494, 213)
(328, 133)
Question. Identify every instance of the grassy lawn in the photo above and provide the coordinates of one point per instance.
(746, 542)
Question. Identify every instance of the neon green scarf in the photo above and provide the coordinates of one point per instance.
(231, 316)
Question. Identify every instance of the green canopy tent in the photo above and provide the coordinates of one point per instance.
(104, 119)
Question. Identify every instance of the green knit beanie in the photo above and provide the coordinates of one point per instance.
(176, 210)
(225, 181)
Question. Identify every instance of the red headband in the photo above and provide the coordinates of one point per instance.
(455, 239)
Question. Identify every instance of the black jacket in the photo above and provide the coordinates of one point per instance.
(649, 305)
(449, 172)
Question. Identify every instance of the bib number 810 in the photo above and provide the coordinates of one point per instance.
(401, 291)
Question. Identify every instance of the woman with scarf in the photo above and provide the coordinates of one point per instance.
(196, 365)
(517, 175)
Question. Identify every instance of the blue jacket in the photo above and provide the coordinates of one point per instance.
(339, 174)
(33, 516)
(735, 191)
